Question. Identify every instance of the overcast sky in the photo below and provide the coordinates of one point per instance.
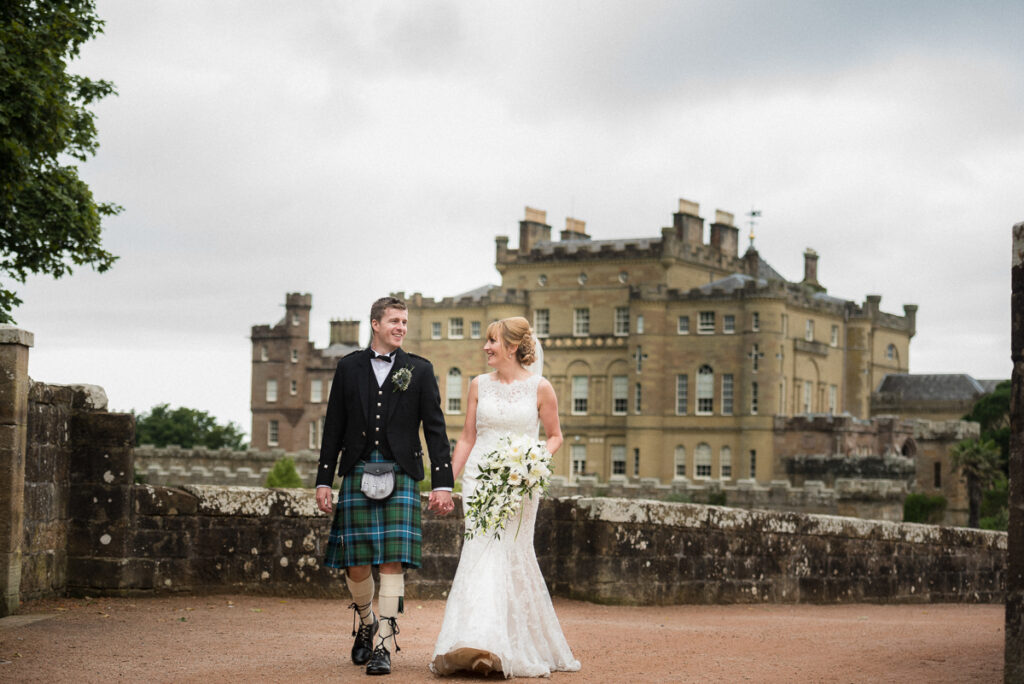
(350, 149)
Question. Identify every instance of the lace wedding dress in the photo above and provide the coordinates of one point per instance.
(499, 615)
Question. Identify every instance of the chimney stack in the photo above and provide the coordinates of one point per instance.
(724, 236)
(575, 230)
(811, 268)
(533, 229)
(688, 223)
(345, 332)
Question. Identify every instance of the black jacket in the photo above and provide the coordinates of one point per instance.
(347, 432)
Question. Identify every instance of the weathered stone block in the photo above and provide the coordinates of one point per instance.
(101, 464)
(101, 503)
(87, 575)
(157, 500)
(101, 429)
(160, 544)
(91, 539)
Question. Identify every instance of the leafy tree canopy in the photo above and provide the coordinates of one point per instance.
(187, 428)
(49, 221)
(992, 412)
(284, 474)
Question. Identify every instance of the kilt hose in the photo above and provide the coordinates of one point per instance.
(368, 532)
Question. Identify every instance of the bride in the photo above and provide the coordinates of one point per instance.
(499, 616)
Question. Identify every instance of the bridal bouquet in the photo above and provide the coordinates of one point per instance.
(517, 468)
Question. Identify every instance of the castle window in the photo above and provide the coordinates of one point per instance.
(638, 399)
(833, 392)
(683, 325)
(272, 433)
(316, 391)
(753, 464)
(435, 330)
(702, 461)
(636, 462)
(579, 459)
(314, 437)
(706, 323)
(542, 280)
(580, 389)
(755, 321)
(293, 387)
(271, 390)
(809, 330)
(727, 394)
(295, 355)
(728, 324)
(755, 356)
(542, 322)
(621, 320)
(264, 353)
(453, 388)
(834, 338)
(808, 392)
(937, 475)
(725, 463)
(618, 459)
(582, 279)
(705, 391)
(753, 398)
(639, 325)
(474, 330)
(680, 460)
(581, 322)
(455, 328)
(682, 394)
(782, 397)
(295, 319)
(890, 352)
(620, 395)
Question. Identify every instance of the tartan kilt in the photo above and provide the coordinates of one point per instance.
(368, 532)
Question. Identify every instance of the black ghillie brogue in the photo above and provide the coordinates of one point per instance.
(362, 649)
(380, 662)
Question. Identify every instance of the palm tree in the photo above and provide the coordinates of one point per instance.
(978, 461)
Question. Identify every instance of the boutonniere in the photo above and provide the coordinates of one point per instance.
(401, 378)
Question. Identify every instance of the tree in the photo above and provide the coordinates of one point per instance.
(978, 461)
(49, 221)
(187, 428)
(284, 475)
(992, 412)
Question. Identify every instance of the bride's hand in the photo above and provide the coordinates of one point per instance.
(441, 502)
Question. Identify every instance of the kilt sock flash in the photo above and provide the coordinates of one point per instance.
(392, 588)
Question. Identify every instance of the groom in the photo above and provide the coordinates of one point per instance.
(378, 401)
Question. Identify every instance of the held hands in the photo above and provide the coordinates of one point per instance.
(323, 499)
(441, 502)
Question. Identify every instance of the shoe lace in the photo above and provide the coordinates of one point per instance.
(364, 630)
(394, 632)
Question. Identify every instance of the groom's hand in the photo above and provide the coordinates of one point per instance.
(323, 499)
(441, 502)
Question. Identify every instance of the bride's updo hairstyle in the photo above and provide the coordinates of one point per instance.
(515, 332)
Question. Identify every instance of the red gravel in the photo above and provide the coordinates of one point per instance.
(245, 639)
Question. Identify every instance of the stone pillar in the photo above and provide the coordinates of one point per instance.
(14, 345)
(100, 535)
(1013, 670)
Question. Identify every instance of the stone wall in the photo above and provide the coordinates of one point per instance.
(205, 538)
(879, 499)
(48, 458)
(175, 466)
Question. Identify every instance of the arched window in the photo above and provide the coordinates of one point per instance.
(680, 458)
(453, 388)
(705, 391)
(725, 463)
(890, 352)
(702, 461)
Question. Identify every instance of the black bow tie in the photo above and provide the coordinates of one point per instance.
(382, 357)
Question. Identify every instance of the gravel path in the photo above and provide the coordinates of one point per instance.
(245, 639)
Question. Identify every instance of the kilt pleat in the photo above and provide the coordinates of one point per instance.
(368, 532)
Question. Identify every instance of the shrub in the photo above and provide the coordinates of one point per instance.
(716, 499)
(283, 474)
(924, 508)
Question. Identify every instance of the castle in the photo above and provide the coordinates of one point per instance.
(673, 357)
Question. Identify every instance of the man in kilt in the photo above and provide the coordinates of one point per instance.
(380, 398)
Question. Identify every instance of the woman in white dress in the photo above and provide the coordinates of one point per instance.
(499, 616)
